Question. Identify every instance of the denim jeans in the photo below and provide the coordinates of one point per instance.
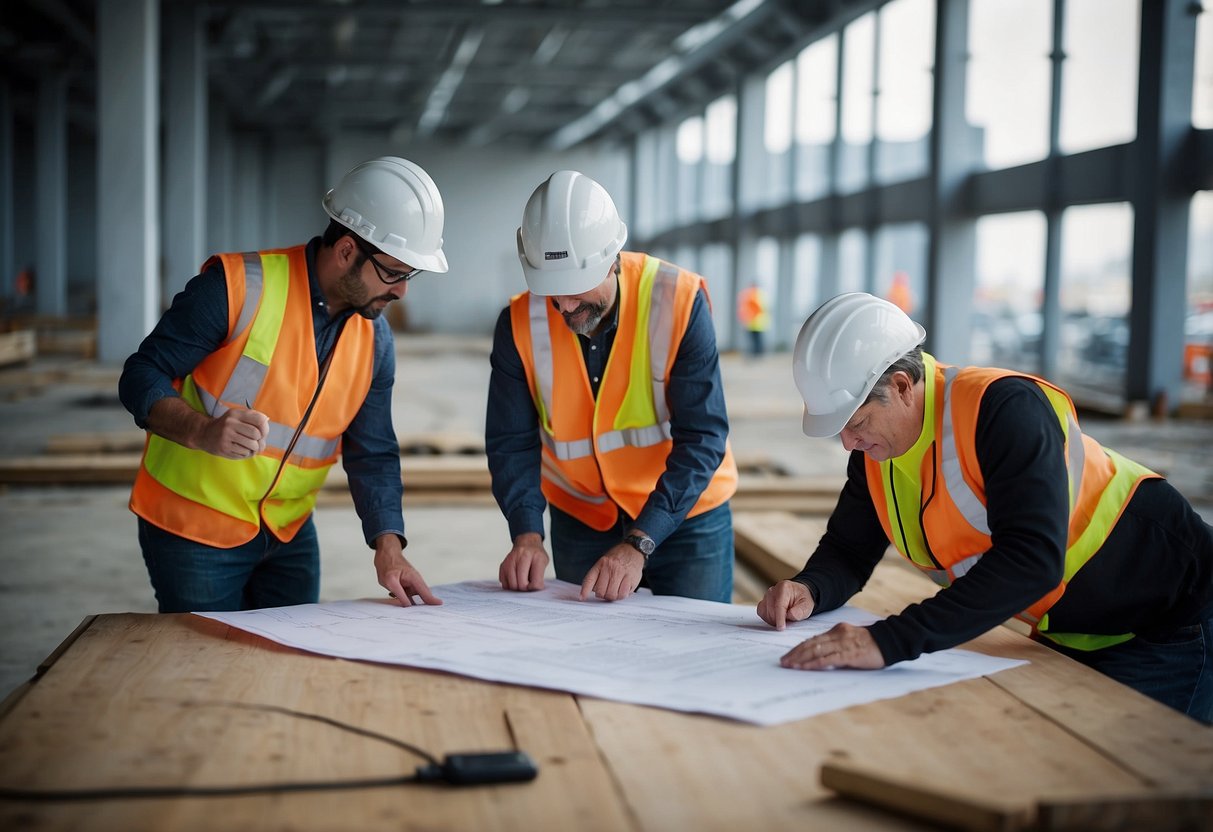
(696, 561)
(265, 572)
(1176, 669)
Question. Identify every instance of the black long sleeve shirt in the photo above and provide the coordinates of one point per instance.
(1153, 574)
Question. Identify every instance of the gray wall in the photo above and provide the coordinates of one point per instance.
(484, 191)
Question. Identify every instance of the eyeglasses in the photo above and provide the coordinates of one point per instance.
(388, 276)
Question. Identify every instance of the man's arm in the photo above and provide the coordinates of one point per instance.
(511, 440)
(699, 426)
(1021, 453)
(370, 455)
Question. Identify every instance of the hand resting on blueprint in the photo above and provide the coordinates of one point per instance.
(843, 645)
(616, 574)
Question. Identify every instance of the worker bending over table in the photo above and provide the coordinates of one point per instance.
(983, 479)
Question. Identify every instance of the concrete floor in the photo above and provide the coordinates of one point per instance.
(68, 552)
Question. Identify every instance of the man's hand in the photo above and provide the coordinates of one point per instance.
(523, 568)
(843, 645)
(397, 575)
(784, 602)
(237, 434)
(616, 574)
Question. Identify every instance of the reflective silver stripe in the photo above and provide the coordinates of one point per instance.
(939, 576)
(962, 495)
(1076, 458)
(959, 568)
(541, 353)
(634, 437)
(575, 449)
(246, 381)
(553, 476)
(308, 447)
(253, 283)
(661, 332)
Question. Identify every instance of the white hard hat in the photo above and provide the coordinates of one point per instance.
(395, 206)
(841, 352)
(569, 236)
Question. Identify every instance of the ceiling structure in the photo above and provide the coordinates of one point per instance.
(540, 73)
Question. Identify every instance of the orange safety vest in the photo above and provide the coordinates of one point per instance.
(752, 309)
(951, 509)
(605, 454)
(268, 363)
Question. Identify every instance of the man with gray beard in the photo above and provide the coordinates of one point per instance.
(606, 407)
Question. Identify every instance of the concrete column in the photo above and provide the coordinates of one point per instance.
(8, 254)
(127, 183)
(952, 249)
(1160, 204)
(50, 195)
(218, 181)
(185, 152)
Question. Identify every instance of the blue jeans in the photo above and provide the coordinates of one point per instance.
(1175, 669)
(265, 572)
(696, 561)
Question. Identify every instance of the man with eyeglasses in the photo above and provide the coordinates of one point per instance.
(606, 406)
(267, 367)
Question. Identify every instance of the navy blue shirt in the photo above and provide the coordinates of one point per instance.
(196, 325)
(699, 425)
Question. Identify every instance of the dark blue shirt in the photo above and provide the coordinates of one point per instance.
(699, 425)
(196, 325)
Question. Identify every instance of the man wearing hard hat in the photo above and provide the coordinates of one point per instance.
(605, 405)
(983, 479)
(267, 367)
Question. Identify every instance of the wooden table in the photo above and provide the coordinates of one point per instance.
(140, 700)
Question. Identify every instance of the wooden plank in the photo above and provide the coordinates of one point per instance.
(158, 700)
(17, 347)
(108, 442)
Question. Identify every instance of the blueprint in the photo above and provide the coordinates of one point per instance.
(663, 651)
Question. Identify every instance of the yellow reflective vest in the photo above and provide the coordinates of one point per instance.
(605, 454)
(268, 363)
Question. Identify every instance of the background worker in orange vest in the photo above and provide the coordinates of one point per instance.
(753, 313)
(605, 405)
(266, 368)
(984, 480)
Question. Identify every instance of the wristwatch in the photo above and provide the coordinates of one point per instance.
(642, 543)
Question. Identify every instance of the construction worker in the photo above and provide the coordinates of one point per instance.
(266, 368)
(605, 404)
(983, 479)
(753, 314)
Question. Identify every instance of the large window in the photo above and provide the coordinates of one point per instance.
(1202, 81)
(1099, 76)
(720, 147)
(1198, 325)
(1008, 81)
(858, 54)
(688, 153)
(816, 114)
(1009, 291)
(777, 135)
(903, 108)
(1096, 246)
(852, 261)
(806, 294)
(901, 266)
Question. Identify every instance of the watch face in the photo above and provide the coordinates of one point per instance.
(644, 544)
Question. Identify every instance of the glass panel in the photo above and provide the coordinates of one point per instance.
(1009, 291)
(903, 108)
(720, 142)
(1202, 83)
(690, 140)
(859, 43)
(1099, 75)
(1096, 245)
(716, 264)
(1198, 327)
(1007, 86)
(852, 261)
(806, 279)
(777, 126)
(688, 153)
(816, 112)
(777, 136)
(901, 265)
